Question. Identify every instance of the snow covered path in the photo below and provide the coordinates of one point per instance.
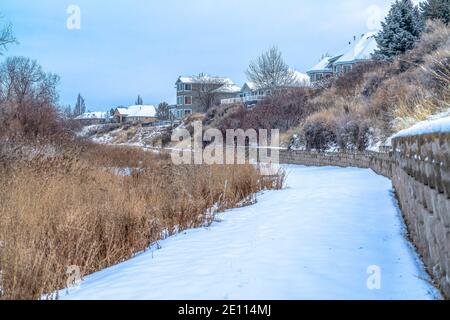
(314, 240)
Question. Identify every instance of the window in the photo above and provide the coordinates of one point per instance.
(187, 111)
(180, 86)
(188, 87)
(188, 100)
(180, 100)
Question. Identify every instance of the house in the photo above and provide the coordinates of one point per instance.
(342, 62)
(92, 118)
(138, 113)
(361, 51)
(250, 94)
(193, 91)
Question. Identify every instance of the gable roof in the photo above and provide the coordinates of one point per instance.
(138, 111)
(250, 85)
(322, 66)
(353, 52)
(301, 79)
(362, 50)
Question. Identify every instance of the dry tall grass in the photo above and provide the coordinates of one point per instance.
(70, 207)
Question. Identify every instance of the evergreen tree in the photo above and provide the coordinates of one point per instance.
(139, 101)
(436, 10)
(400, 30)
(80, 106)
(163, 112)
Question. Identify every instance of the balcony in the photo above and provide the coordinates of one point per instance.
(246, 99)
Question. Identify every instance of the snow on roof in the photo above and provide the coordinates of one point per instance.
(228, 89)
(301, 79)
(138, 111)
(322, 66)
(362, 50)
(426, 127)
(250, 85)
(92, 115)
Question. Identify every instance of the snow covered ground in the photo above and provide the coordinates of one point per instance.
(316, 239)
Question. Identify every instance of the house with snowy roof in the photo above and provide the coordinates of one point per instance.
(250, 93)
(137, 113)
(356, 52)
(190, 91)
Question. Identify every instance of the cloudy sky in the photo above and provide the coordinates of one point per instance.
(130, 47)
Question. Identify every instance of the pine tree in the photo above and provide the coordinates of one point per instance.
(80, 106)
(400, 30)
(163, 112)
(139, 101)
(436, 10)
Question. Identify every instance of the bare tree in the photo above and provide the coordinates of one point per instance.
(6, 37)
(270, 71)
(28, 97)
(211, 88)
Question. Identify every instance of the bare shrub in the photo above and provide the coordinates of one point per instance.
(319, 130)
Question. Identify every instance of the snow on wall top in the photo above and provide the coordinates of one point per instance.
(362, 50)
(138, 111)
(426, 127)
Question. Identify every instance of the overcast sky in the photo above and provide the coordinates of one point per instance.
(130, 47)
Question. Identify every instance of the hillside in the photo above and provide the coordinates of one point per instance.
(361, 109)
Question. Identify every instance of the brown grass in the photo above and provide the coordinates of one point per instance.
(71, 208)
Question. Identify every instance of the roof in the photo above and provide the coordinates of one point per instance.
(322, 66)
(93, 116)
(362, 50)
(353, 52)
(228, 89)
(205, 79)
(250, 85)
(143, 111)
(301, 79)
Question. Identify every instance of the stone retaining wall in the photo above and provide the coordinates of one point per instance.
(419, 168)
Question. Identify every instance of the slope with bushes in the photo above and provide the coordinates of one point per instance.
(363, 108)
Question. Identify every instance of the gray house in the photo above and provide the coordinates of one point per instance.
(201, 92)
(357, 51)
